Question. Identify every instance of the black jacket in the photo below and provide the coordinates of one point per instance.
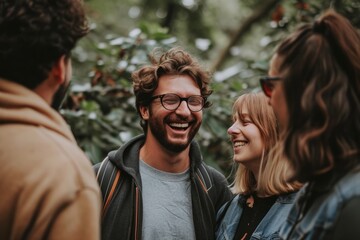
(123, 218)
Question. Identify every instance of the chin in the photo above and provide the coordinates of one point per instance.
(177, 148)
(238, 160)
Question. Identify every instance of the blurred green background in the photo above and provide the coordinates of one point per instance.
(234, 39)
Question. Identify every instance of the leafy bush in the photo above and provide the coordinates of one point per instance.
(101, 109)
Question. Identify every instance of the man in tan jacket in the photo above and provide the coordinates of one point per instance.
(47, 186)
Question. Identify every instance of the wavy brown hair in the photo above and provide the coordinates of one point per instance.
(35, 34)
(172, 62)
(320, 66)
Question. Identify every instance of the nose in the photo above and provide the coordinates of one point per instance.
(234, 129)
(183, 109)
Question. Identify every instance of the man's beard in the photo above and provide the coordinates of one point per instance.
(59, 96)
(158, 130)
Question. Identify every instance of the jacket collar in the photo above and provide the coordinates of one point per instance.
(127, 156)
(285, 198)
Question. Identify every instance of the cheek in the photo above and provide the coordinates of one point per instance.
(284, 115)
(257, 136)
(253, 134)
(277, 100)
(280, 110)
(196, 116)
(199, 115)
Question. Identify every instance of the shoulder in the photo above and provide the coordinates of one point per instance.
(127, 153)
(61, 181)
(215, 183)
(230, 212)
(344, 190)
(349, 184)
(288, 198)
(234, 204)
(40, 155)
(211, 177)
(346, 226)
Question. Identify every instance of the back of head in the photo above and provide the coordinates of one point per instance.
(35, 34)
(320, 64)
(172, 62)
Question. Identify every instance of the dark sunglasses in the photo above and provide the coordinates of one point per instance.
(266, 84)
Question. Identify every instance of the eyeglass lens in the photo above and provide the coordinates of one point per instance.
(173, 101)
(266, 87)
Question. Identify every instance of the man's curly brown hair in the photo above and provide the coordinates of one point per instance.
(175, 61)
(34, 34)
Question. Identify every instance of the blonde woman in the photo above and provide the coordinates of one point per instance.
(263, 198)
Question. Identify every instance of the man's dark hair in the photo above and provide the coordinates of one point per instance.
(34, 34)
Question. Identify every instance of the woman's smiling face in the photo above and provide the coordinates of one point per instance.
(247, 140)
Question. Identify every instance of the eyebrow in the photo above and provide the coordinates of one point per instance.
(241, 115)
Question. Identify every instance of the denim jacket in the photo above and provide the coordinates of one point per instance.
(320, 218)
(269, 226)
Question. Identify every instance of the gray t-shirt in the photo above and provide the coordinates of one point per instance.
(167, 208)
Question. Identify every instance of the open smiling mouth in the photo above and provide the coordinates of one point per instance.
(240, 143)
(179, 126)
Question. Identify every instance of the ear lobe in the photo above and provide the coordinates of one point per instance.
(144, 111)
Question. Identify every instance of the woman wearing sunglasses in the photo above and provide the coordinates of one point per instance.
(263, 197)
(314, 89)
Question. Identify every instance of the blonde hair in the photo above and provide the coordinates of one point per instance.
(274, 169)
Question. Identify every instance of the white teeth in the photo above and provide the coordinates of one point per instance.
(239, 144)
(179, 125)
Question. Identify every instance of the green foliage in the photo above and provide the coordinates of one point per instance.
(101, 107)
(101, 110)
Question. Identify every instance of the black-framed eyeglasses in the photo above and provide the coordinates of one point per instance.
(266, 84)
(172, 101)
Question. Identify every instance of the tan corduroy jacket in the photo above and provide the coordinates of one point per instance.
(48, 189)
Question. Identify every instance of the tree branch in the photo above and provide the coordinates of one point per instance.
(257, 15)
